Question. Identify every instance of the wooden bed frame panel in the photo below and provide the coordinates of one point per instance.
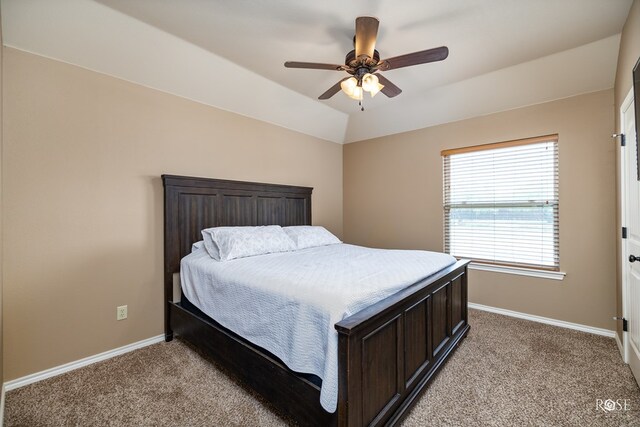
(388, 352)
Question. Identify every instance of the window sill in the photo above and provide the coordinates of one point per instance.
(543, 274)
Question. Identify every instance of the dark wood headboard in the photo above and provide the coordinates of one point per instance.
(193, 204)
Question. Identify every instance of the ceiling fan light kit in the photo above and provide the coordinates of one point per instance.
(363, 64)
(354, 88)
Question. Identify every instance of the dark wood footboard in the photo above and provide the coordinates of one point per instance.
(389, 351)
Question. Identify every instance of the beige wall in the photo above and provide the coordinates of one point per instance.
(627, 57)
(393, 199)
(83, 156)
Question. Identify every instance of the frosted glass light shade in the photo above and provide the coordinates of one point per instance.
(349, 85)
(371, 84)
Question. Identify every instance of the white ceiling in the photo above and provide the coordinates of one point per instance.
(503, 53)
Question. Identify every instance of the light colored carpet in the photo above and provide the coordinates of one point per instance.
(507, 372)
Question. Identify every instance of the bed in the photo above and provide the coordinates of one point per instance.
(387, 352)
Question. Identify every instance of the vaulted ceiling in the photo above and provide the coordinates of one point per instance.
(504, 54)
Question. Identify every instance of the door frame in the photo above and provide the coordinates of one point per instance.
(624, 345)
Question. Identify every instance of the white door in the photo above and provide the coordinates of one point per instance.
(631, 245)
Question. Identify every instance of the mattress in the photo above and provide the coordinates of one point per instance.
(288, 303)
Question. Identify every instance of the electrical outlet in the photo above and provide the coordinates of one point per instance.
(121, 312)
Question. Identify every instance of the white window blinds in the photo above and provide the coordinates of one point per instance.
(501, 203)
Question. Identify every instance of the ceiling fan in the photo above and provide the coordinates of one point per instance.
(363, 64)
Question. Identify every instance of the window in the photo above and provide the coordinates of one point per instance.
(501, 203)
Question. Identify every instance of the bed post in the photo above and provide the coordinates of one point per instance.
(170, 244)
(168, 292)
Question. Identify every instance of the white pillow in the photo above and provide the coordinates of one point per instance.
(210, 246)
(309, 236)
(227, 243)
(196, 246)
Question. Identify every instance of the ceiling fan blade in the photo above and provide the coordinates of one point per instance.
(332, 90)
(366, 33)
(415, 58)
(314, 66)
(389, 88)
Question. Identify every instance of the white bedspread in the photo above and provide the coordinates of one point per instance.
(288, 303)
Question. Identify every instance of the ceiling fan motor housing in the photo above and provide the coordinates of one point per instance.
(351, 61)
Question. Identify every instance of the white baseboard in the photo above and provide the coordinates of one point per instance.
(545, 320)
(52, 372)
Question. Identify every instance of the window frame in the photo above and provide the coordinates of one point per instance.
(527, 269)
